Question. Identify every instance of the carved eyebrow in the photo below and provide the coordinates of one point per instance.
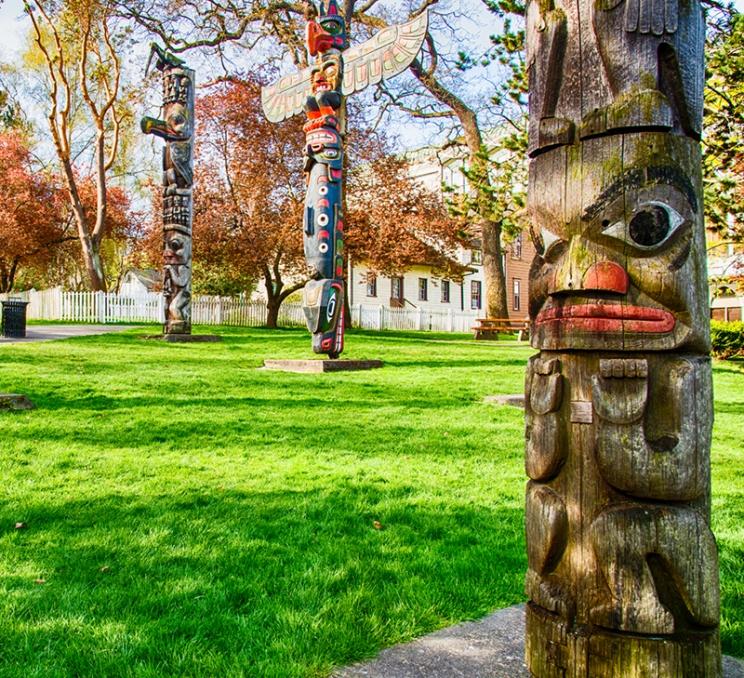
(638, 178)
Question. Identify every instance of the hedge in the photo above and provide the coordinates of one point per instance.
(727, 338)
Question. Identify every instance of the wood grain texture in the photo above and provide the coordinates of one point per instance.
(607, 566)
(622, 566)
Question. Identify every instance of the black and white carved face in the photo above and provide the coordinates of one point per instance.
(177, 248)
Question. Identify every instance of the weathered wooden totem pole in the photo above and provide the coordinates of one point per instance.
(623, 567)
(321, 90)
(177, 128)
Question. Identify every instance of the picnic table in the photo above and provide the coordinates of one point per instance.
(490, 328)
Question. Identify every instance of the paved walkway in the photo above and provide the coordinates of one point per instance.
(52, 332)
(490, 648)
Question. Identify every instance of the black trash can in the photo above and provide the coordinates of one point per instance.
(14, 318)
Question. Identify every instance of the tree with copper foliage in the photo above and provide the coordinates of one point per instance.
(80, 45)
(394, 222)
(32, 226)
(245, 22)
(37, 227)
(248, 209)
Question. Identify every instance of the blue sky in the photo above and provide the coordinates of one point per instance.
(14, 27)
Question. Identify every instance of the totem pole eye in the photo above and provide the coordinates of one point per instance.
(652, 224)
(323, 248)
(323, 190)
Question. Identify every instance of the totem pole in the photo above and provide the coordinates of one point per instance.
(321, 90)
(622, 578)
(177, 129)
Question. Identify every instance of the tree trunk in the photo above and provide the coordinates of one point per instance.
(93, 265)
(90, 246)
(490, 231)
(496, 305)
(272, 312)
(273, 297)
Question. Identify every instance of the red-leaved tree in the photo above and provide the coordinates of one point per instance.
(32, 223)
(250, 192)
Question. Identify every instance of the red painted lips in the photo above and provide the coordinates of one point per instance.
(607, 318)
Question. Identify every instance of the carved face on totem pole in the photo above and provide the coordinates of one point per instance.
(620, 261)
(326, 76)
(328, 31)
(177, 248)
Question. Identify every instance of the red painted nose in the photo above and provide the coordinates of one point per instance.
(606, 276)
(317, 39)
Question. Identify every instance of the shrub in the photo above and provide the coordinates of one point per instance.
(727, 338)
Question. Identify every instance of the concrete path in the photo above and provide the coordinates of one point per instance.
(490, 648)
(52, 332)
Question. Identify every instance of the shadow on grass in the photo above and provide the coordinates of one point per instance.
(284, 583)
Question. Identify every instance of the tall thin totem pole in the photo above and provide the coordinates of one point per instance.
(177, 128)
(623, 567)
(321, 90)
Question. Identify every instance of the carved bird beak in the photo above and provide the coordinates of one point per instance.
(317, 39)
(161, 129)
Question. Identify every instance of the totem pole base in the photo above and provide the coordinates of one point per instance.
(321, 366)
(597, 653)
(492, 647)
(192, 338)
(15, 402)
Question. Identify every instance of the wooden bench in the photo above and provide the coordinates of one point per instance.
(490, 328)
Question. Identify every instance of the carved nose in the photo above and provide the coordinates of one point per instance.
(606, 276)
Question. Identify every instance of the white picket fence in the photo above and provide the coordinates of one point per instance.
(103, 308)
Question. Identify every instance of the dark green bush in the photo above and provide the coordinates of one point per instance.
(727, 339)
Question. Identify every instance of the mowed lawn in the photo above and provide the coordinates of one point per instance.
(188, 514)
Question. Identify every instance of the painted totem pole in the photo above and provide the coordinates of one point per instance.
(623, 567)
(321, 90)
(177, 128)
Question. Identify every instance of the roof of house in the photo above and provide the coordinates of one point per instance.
(149, 277)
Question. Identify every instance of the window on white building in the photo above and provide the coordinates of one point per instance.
(423, 289)
(396, 292)
(371, 285)
(475, 295)
(445, 291)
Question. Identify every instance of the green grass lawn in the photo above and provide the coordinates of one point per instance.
(190, 515)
